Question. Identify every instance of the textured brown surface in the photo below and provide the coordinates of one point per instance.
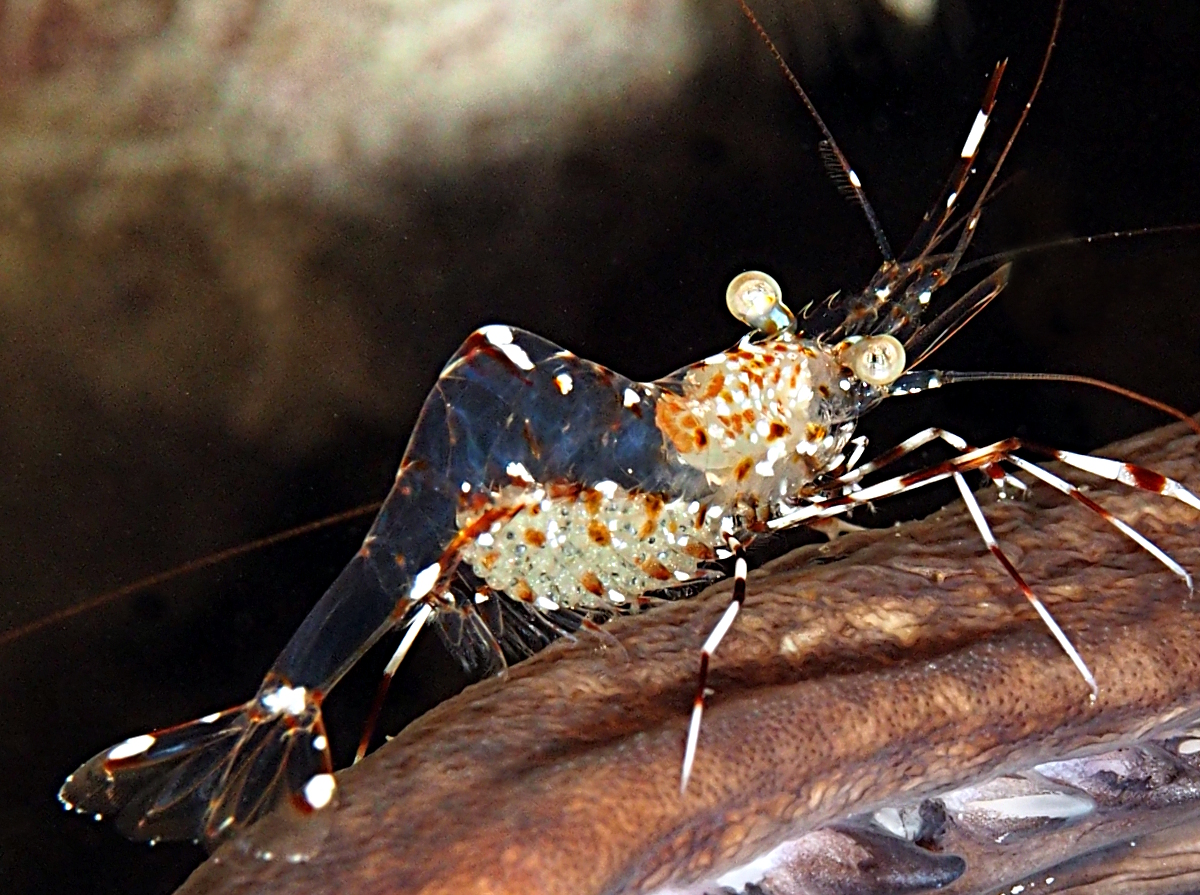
(904, 662)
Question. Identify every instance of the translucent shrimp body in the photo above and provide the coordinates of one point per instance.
(535, 481)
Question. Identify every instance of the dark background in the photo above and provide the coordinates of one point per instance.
(620, 250)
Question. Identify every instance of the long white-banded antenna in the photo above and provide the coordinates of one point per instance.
(830, 148)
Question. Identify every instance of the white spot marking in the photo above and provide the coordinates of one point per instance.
(498, 334)
(319, 743)
(318, 791)
(480, 597)
(564, 382)
(854, 181)
(209, 719)
(517, 355)
(286, 700)
(425, 580)
(1189, 747)
(726, 620)
(465, 487)
(485, 539)
(972, 145)
(545, 603)
(616, 596)
(518, 471)
(607, 488)
(631, 398)
(131, 747)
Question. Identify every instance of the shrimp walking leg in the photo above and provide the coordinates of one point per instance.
(985, 532)
(988, 459)
(718, 633)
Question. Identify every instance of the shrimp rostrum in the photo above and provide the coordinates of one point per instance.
(539, 489)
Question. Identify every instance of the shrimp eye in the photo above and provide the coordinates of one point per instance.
(755, 299)
(876, 360)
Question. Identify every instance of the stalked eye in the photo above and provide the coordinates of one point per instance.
(876, 360)
(755, 299)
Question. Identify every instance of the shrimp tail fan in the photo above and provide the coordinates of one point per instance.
(206, 779)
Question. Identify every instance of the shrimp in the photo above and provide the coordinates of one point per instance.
(536, 482)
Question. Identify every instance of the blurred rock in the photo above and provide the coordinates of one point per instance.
(320, 100)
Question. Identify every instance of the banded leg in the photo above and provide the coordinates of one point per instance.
(436, 603)
(1062, 485)
(740, 572)
(1119, 471)
(988, 460)
(423, 614)
(985, 532)
(1129, 474)
(854, 474)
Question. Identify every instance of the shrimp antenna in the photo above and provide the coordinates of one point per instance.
(1068, 241)
(953, 377)
(195, 565)
(922, 380)
(846, 176)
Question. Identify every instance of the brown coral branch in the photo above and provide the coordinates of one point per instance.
(886, 665)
